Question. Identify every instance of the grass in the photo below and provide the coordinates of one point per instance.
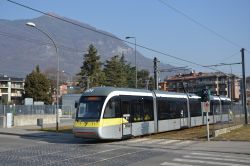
(194, 133)
(200, 133)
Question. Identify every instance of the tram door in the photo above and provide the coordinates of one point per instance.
(182, 106)
(126, 115)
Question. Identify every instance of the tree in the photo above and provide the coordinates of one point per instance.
(114, 72)
(91, 72)
(144, 79)
(38, 87)
(129, 72)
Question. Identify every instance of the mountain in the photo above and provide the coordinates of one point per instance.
(23, 47)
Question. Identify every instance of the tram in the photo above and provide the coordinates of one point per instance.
(117, 113)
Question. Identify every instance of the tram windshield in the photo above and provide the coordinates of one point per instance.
(90, 107)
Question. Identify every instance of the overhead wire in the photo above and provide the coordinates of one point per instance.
(111, 36)
(200, 24)
(229, 57)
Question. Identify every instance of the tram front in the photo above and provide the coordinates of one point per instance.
(87, 122)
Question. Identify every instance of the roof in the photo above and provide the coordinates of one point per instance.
(160, 93)
(195, 76)
(105, 91)
(12, 79)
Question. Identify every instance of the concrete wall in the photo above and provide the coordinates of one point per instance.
(225, 130)
(24, 120)
(2, 121)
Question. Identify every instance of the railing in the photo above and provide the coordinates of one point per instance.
(17, 86)
(3, 86)
(27, 109)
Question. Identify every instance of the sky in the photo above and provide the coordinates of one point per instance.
(205, 32)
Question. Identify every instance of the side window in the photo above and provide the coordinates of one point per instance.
(170, 108)
(195, 107)
(173, 110)
(81, 109)
(225, 106)
(136, 110)
(214, 107)
(148, 109)
(125, 107)
(163, 108)
(112, 109)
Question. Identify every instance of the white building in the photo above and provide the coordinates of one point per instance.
(11, 90)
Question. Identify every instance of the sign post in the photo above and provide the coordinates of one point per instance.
(205, 107)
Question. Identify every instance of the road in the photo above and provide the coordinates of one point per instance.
(50, 150)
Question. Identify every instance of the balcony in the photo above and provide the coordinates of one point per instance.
(3, 93)
(17, 86)
(16, 94)
(206, 82)
(3, 86)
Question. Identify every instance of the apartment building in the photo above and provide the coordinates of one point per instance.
(217, 83)
(11, 89)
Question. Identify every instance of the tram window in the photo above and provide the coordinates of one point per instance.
(136, 110)
(214, 107)
(148, 110)
(90, 107)
(112, 109)
(195, 107)
(225, 106)
(125, 107)
(176, 106)
(171, 108)
(89, 110)
(162, 107)
(82, 109)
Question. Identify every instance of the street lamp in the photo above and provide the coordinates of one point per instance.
(70, 77)
(130, 37)
(33, 25)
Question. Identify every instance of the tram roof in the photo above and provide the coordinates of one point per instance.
(175, 94)
(104, 91)
(169, 93)
(224, 98)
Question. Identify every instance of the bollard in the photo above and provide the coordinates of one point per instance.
(40, 122)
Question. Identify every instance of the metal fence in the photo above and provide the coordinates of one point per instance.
(65, 111)
(68, 111)
(27, 109)
(232, 117)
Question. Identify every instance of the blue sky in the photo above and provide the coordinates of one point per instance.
(157, 26)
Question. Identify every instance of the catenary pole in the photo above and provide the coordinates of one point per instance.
(244, 85)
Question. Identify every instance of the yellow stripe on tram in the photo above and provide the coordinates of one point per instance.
(102, 123)
(86, 124)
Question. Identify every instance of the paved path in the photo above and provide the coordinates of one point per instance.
(22, 146)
